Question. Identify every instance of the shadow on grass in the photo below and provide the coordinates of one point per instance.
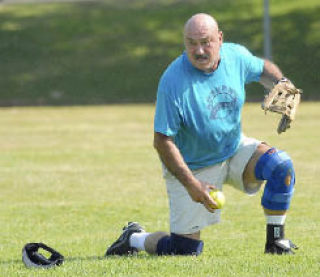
(115, 51)
(7, 262)
(87, 258)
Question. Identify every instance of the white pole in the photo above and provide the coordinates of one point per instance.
(267, 32)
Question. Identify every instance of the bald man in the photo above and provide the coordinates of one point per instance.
(198, 136)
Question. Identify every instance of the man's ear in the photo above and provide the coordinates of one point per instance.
(220, 37)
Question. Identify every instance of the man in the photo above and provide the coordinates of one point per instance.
(197, 134)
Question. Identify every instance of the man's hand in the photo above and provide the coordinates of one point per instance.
(199, 192)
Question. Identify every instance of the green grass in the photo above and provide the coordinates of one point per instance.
(71, 177)
(115, 51)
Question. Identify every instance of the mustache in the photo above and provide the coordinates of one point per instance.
(197, 57)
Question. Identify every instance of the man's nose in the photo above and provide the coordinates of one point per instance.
(199, 50)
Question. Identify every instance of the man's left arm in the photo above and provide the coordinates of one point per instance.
(271, 75)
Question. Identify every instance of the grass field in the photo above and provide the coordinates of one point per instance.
(114, 51)
(71, 177)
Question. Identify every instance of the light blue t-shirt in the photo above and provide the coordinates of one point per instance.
(202, 111)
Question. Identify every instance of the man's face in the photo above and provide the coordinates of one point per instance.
(202, 46)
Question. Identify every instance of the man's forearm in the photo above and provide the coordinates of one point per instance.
(173, 160)
(271, 74)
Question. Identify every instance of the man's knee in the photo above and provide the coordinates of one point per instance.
(179, 245)
(152, 240)
(276, 167)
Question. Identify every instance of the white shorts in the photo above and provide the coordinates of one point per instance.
(187, 216)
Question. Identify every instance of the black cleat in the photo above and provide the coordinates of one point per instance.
(122, 246)
(281, 247)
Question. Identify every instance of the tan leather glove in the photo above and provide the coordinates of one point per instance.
(284, 98)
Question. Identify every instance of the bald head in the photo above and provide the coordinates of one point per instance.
(203, 40)
(200, 23)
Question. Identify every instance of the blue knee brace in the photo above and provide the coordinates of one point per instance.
(276, 167)
(179, 245)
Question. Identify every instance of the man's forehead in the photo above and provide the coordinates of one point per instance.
(203, 33)
(199, 27)
(200, 31)
(197, 37)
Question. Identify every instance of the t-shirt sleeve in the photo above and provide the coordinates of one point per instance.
(167, 119)
(253, 66)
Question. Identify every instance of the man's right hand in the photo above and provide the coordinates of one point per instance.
(199, 192)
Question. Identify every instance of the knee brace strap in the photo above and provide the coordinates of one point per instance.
(276, 167)
(179, 245)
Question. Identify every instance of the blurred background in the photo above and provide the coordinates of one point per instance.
(114, 51)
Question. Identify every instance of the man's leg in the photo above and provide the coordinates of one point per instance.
(276, 168)
(187, 218)
(161, 243)
(134, 239)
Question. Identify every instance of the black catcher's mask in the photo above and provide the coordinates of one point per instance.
(32, 258)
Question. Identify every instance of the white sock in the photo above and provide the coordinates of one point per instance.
(276, 219)
(137, 240)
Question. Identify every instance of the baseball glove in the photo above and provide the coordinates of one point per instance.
(284, 98)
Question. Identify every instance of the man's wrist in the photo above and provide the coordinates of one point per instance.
(283, 80)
